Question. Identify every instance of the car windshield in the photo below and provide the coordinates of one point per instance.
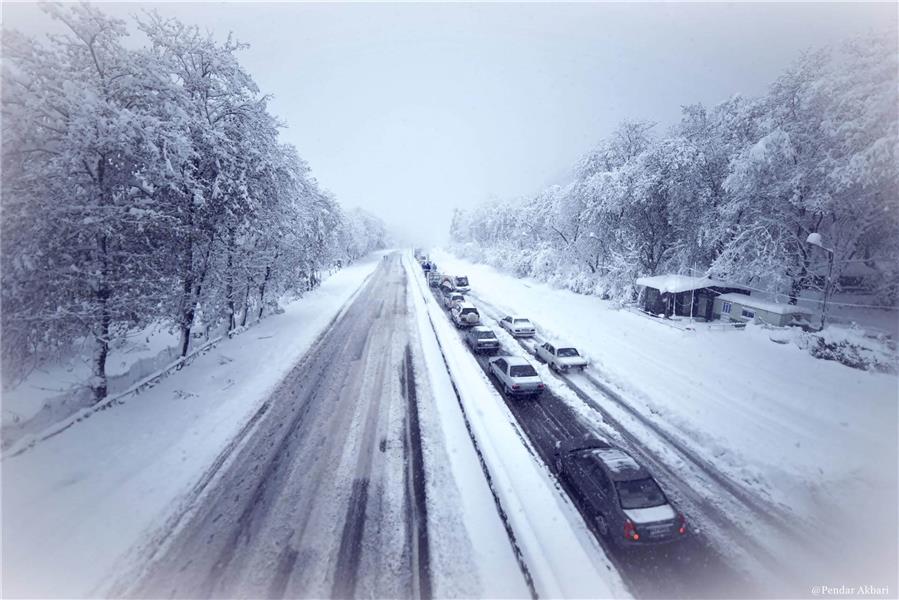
(567, 352)
(522, 371)
(461, 280)
(484, 335)
(524, 322)
(639, 493)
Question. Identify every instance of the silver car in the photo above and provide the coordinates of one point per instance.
(481, 339)
(517, 326)
(516, 376)
(561, 358)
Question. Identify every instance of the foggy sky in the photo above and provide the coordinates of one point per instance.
(409, 110)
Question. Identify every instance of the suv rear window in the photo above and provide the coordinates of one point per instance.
(522, 371)
(465, 311)
(639, 493)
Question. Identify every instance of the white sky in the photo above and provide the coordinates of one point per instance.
(409, 110)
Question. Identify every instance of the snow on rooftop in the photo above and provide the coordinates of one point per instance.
(516, 360)
(773, 307)
(617, 460)
(675, 284)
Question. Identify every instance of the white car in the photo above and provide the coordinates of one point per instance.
(517, 326)
(460, 283)
(516, 375)
(561, 358)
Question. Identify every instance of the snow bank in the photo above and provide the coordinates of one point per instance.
(75, 504)
(561, 555)
(471, 556)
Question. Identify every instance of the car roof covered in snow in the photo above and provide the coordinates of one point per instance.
(675, 284)
(766, 305)
(481, 328)
(516, 360)
(621, 466)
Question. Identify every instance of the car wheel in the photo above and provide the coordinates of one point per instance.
(602, 525)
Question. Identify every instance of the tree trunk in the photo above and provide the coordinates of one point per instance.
(99, 381)
(246, 304)
(191, 295)
(229, 284)
(268, 273)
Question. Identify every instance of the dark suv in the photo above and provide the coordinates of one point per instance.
(626, 504)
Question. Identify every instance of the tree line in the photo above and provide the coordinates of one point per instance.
(148, 185)
(732, 191)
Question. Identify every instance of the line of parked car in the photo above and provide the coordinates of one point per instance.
(606, 483)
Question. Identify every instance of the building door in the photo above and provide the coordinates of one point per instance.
(702, 308)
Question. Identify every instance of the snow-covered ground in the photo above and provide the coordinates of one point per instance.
(58, 388)
(75, 504)
(815, 437)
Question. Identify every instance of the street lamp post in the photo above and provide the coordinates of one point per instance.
(815, 239)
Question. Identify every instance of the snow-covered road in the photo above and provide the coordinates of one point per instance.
(694, 567)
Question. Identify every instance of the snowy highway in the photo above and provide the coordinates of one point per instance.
(454, 300)
(319, 497)
(323, 492)
(692, 567)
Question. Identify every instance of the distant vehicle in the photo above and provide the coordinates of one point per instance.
(516, 375)
(517, 326)
(626, 503)
(465, 314)
(460, 282)
(450, 299)
(433, 278)
(561, 358)
(481, 339)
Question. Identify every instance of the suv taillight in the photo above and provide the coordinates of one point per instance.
(630, 531)
(682, 529)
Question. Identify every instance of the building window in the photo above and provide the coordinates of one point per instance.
(748, 314)
(725, 308)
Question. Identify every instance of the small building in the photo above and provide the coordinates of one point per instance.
(742, 308)
(683, 295)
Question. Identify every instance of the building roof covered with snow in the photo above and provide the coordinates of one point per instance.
(767, 305)
(676, 284)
